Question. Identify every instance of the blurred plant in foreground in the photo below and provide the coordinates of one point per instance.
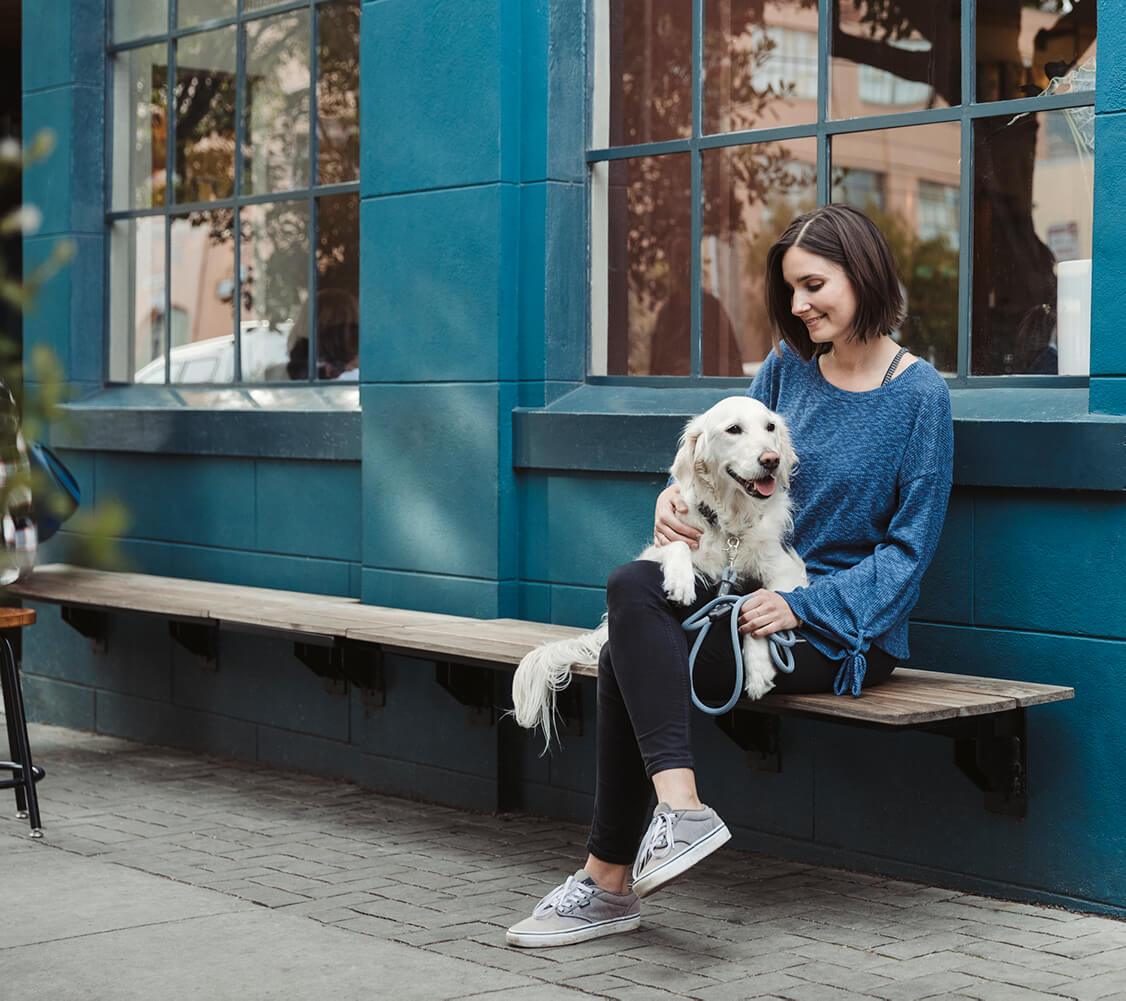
(38, 384)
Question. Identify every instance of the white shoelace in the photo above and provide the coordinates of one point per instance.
(658, 840)
(565, 897)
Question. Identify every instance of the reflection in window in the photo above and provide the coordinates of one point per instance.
(338, 92)
(202, 294)
(137, 297)
(751, 195)
(246, 301)
(938, 212)
(862, 189)
(1027, 47)
(648, 252)
(275, 291)
(761, 64)
(338, 285)
(189, 12)
(878, 86)
(139, 19)
(906, 181)
(648, 47)
(205, 116)
(140, 109)
(881, 58)
(276, 130)
(1032, 245)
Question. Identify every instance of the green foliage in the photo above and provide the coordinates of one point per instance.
(38, 380)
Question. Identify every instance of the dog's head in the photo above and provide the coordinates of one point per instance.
(739, 451)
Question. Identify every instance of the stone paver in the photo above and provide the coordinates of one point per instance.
(153, 853)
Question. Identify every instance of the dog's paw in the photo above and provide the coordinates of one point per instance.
(758, 668)
(680, 586)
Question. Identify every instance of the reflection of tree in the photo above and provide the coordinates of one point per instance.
(928, 270)
(276, 132)
(205, 119)
(1014, 275)
(275, 261)
(655, 95)
(338, 92)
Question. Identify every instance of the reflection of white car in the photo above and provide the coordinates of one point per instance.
(263, 349)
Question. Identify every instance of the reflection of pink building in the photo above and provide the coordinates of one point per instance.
(202, 284)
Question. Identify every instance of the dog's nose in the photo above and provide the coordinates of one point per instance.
(769, 460)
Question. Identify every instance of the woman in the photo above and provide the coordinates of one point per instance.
(872, 428)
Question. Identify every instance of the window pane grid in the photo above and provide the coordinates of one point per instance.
(243, 18)
(170, 326)
(935, 202)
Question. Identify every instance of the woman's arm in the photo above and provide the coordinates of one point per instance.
(856, 605)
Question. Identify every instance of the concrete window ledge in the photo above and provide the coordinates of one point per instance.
(299, 422)
(1024, 438)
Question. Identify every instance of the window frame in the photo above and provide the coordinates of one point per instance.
(965, 113)
(309, 194)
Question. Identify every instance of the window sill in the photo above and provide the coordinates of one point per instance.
(1024, 438)
(286, 422)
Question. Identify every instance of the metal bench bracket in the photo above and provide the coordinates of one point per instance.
(759, 734)
(993, 752)
(472, 686)
(199, 638)
(569, 706)
(90, 623)
(342, 663)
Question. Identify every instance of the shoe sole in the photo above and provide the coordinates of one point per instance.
(543, 940)
(677, 866)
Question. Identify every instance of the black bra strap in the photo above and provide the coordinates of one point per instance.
(893, 366)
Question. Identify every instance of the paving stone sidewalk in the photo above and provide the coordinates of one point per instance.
(176, 875)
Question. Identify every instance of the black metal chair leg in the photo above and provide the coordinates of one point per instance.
(13, 743)
(27, 771)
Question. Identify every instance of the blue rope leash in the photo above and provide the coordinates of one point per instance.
(700, 622)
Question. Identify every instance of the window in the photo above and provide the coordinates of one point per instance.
(981, 180)
(234, 239)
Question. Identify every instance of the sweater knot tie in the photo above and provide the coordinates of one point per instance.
(850, 677)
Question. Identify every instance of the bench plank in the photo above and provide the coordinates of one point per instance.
(909, 698)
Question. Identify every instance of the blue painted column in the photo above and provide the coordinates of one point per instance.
(1108, 304)
(470, 297)
(64, 91)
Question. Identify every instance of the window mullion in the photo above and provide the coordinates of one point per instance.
(696, 186)
(966, 194)
(169, 190)
(236, 215)
(314, 176)
(824, 39)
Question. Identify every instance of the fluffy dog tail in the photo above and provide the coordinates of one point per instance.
(546, 671)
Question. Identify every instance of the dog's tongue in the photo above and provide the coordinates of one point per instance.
(765, 486)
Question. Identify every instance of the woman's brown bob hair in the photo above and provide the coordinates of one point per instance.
(851, 240)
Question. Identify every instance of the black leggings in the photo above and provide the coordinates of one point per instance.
(644, 701)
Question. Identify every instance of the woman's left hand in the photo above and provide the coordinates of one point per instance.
(766, 612)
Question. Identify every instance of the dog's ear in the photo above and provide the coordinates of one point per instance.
(684, 466)
(789, 457)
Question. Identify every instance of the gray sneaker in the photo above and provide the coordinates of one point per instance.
(575, 911)
(676, 841)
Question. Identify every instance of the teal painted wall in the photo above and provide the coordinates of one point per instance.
(474, 302)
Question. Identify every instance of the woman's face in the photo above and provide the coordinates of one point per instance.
(822, 296)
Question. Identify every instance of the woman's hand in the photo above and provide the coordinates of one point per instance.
(667, 526)
(766, 612)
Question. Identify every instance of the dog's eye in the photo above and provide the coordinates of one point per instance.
(769, 427)
(734, 429)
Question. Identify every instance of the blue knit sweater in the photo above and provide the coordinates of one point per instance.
(870, 495)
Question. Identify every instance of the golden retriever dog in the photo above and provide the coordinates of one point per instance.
(733, 466)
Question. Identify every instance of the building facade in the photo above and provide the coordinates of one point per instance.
(400, 300)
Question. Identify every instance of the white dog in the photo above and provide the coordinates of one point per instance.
(733, 466)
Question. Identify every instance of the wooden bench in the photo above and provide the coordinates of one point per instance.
(343, 641)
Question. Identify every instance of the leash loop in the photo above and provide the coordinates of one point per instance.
(700, 622)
